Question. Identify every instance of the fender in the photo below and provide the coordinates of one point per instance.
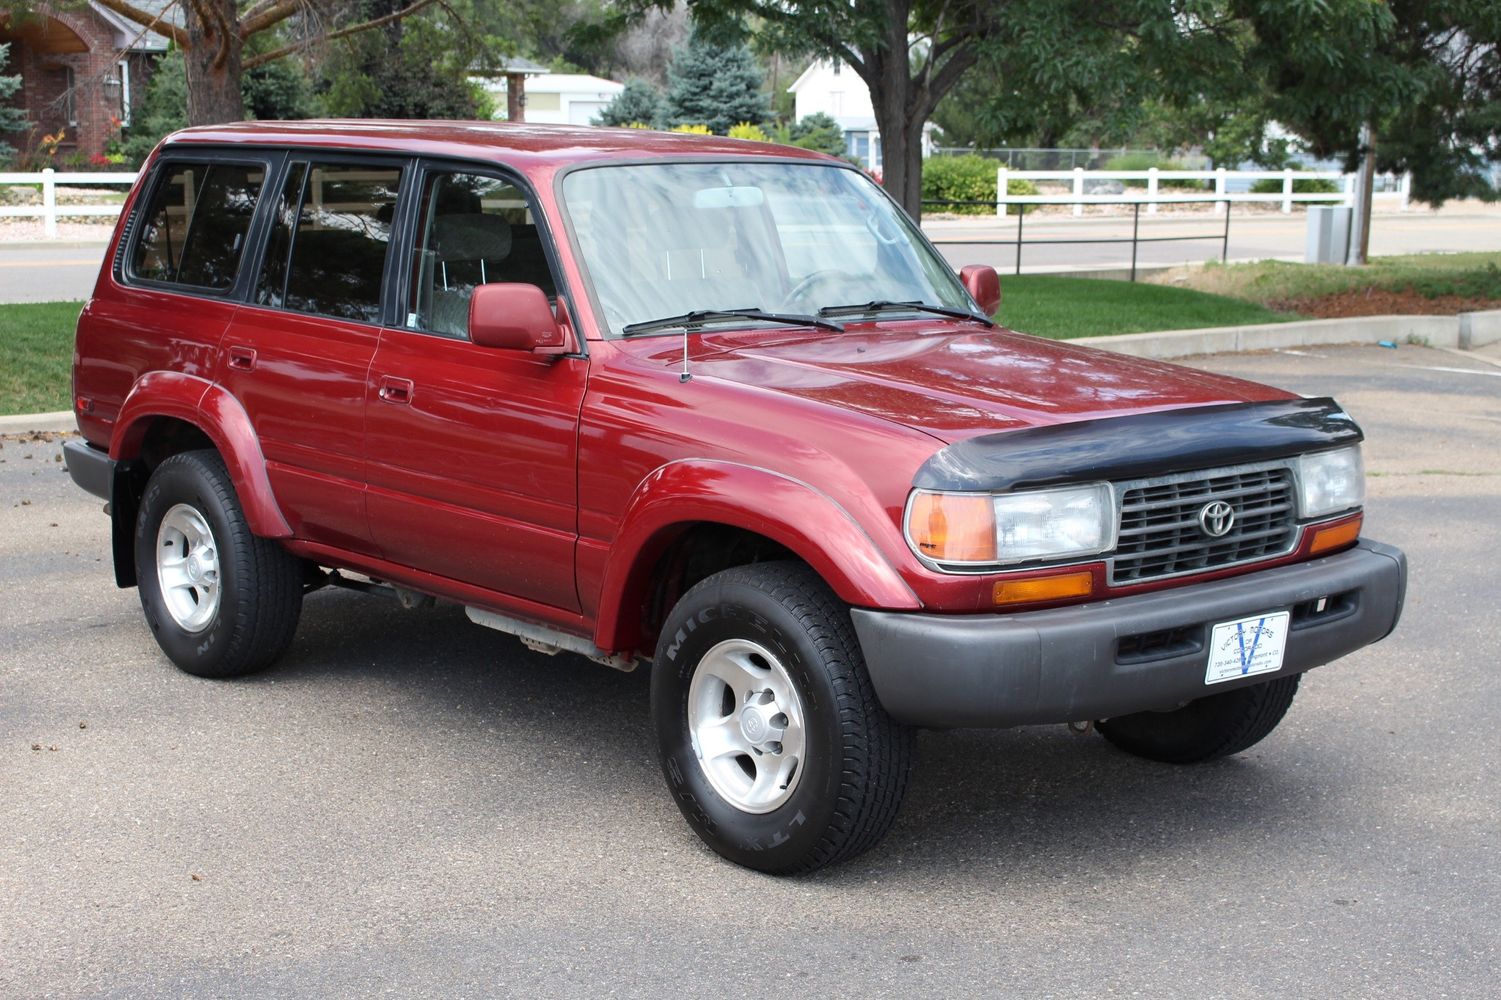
(788, 511)
(212, 409)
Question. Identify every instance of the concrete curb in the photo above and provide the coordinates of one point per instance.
(1466, 331)
(49, 423)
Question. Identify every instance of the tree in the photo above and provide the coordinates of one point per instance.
(412, 67)
(818, 131)
(12, 119)
(270, 91)
(214, 35)
(638, 104)
(715, 85)
(909, 53)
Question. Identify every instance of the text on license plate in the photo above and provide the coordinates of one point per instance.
(1247, 647)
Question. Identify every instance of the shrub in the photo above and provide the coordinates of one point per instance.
(959, 178)
(969, 178)
(694, 129)
(1301, 185)
(1146, 160)
(746, 130)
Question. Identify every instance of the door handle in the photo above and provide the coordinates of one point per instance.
(395, 390)
(242, 359)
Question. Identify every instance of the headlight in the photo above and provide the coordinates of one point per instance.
(977, 529)
(1330, 481)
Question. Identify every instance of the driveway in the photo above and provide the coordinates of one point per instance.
(414, 805)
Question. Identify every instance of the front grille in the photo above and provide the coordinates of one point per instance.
(1160, 533)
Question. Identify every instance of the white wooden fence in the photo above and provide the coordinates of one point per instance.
(50, 180)
(1398, 189)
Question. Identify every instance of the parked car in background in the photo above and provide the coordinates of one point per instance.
(709, 404)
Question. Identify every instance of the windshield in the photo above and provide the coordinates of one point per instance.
(665, 240)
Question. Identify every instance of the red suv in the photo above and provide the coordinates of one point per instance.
(712, 404)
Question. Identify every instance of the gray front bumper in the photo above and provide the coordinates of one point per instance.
(1068, 664)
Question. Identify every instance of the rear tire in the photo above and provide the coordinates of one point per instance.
(220, 601)
(1207, 729)
(771, 738)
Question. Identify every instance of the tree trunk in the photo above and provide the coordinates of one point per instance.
(888, 74)
(1365, 178)
(213, 62)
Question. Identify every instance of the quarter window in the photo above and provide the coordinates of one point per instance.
(196, 223)
(327, 250)
(473, 230)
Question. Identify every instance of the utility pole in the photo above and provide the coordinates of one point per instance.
(1365, 180)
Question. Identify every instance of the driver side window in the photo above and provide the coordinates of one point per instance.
(472, 230)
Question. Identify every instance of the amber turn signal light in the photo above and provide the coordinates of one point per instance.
(952, 527)
(1336, 537)
(1044, 588)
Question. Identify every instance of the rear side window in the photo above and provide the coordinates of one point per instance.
(327, 251)
(195, 226)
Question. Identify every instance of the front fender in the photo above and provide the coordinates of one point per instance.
(212, 409)
(790, 512)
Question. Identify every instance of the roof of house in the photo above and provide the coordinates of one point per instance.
(134, 36)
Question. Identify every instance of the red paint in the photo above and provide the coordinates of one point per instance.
(547, 486)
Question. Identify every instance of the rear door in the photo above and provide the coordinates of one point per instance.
(297, 355)
(471, 451)
(180, 267)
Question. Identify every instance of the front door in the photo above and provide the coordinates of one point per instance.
(472, 451)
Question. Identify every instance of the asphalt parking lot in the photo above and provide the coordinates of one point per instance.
(413, 805)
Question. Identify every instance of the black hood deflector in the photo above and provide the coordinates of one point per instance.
(1139, 446)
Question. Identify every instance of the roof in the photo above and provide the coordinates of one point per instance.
(524, 143)
(133, 35)
(563, 83)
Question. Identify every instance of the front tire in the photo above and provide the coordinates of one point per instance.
(1206, 729)
(771, 738)
(220, 601)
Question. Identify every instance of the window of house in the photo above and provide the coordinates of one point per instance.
(196, 223)
(70, 107)
(472, 230)
(327, 251)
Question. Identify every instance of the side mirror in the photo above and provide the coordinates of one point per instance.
(983, 285)
(514, 317)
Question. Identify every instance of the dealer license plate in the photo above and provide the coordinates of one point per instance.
(1247, 647)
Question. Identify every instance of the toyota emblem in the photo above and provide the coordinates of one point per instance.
(1216, 518)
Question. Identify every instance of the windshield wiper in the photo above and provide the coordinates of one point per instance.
(886, 305)
(698, 317)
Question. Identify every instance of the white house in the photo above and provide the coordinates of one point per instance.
(559, 98)
(832, 88)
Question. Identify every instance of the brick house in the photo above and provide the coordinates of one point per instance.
(80, 67)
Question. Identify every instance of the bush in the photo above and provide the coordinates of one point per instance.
(1146, 161)
(1301, 185)
(745, 130)
(694, 129)
(959, 178)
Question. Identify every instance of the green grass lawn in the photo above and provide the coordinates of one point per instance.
(1281, 284)
(1064, 308)
(36, 353)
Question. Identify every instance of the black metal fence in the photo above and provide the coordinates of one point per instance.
(1222, 234)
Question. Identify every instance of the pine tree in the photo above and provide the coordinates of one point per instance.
(11, 119)
(819, 131)
(638, 104)
(714, 85)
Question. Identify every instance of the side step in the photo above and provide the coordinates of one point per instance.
(550, 640)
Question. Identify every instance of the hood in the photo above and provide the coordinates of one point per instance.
(954, 384)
